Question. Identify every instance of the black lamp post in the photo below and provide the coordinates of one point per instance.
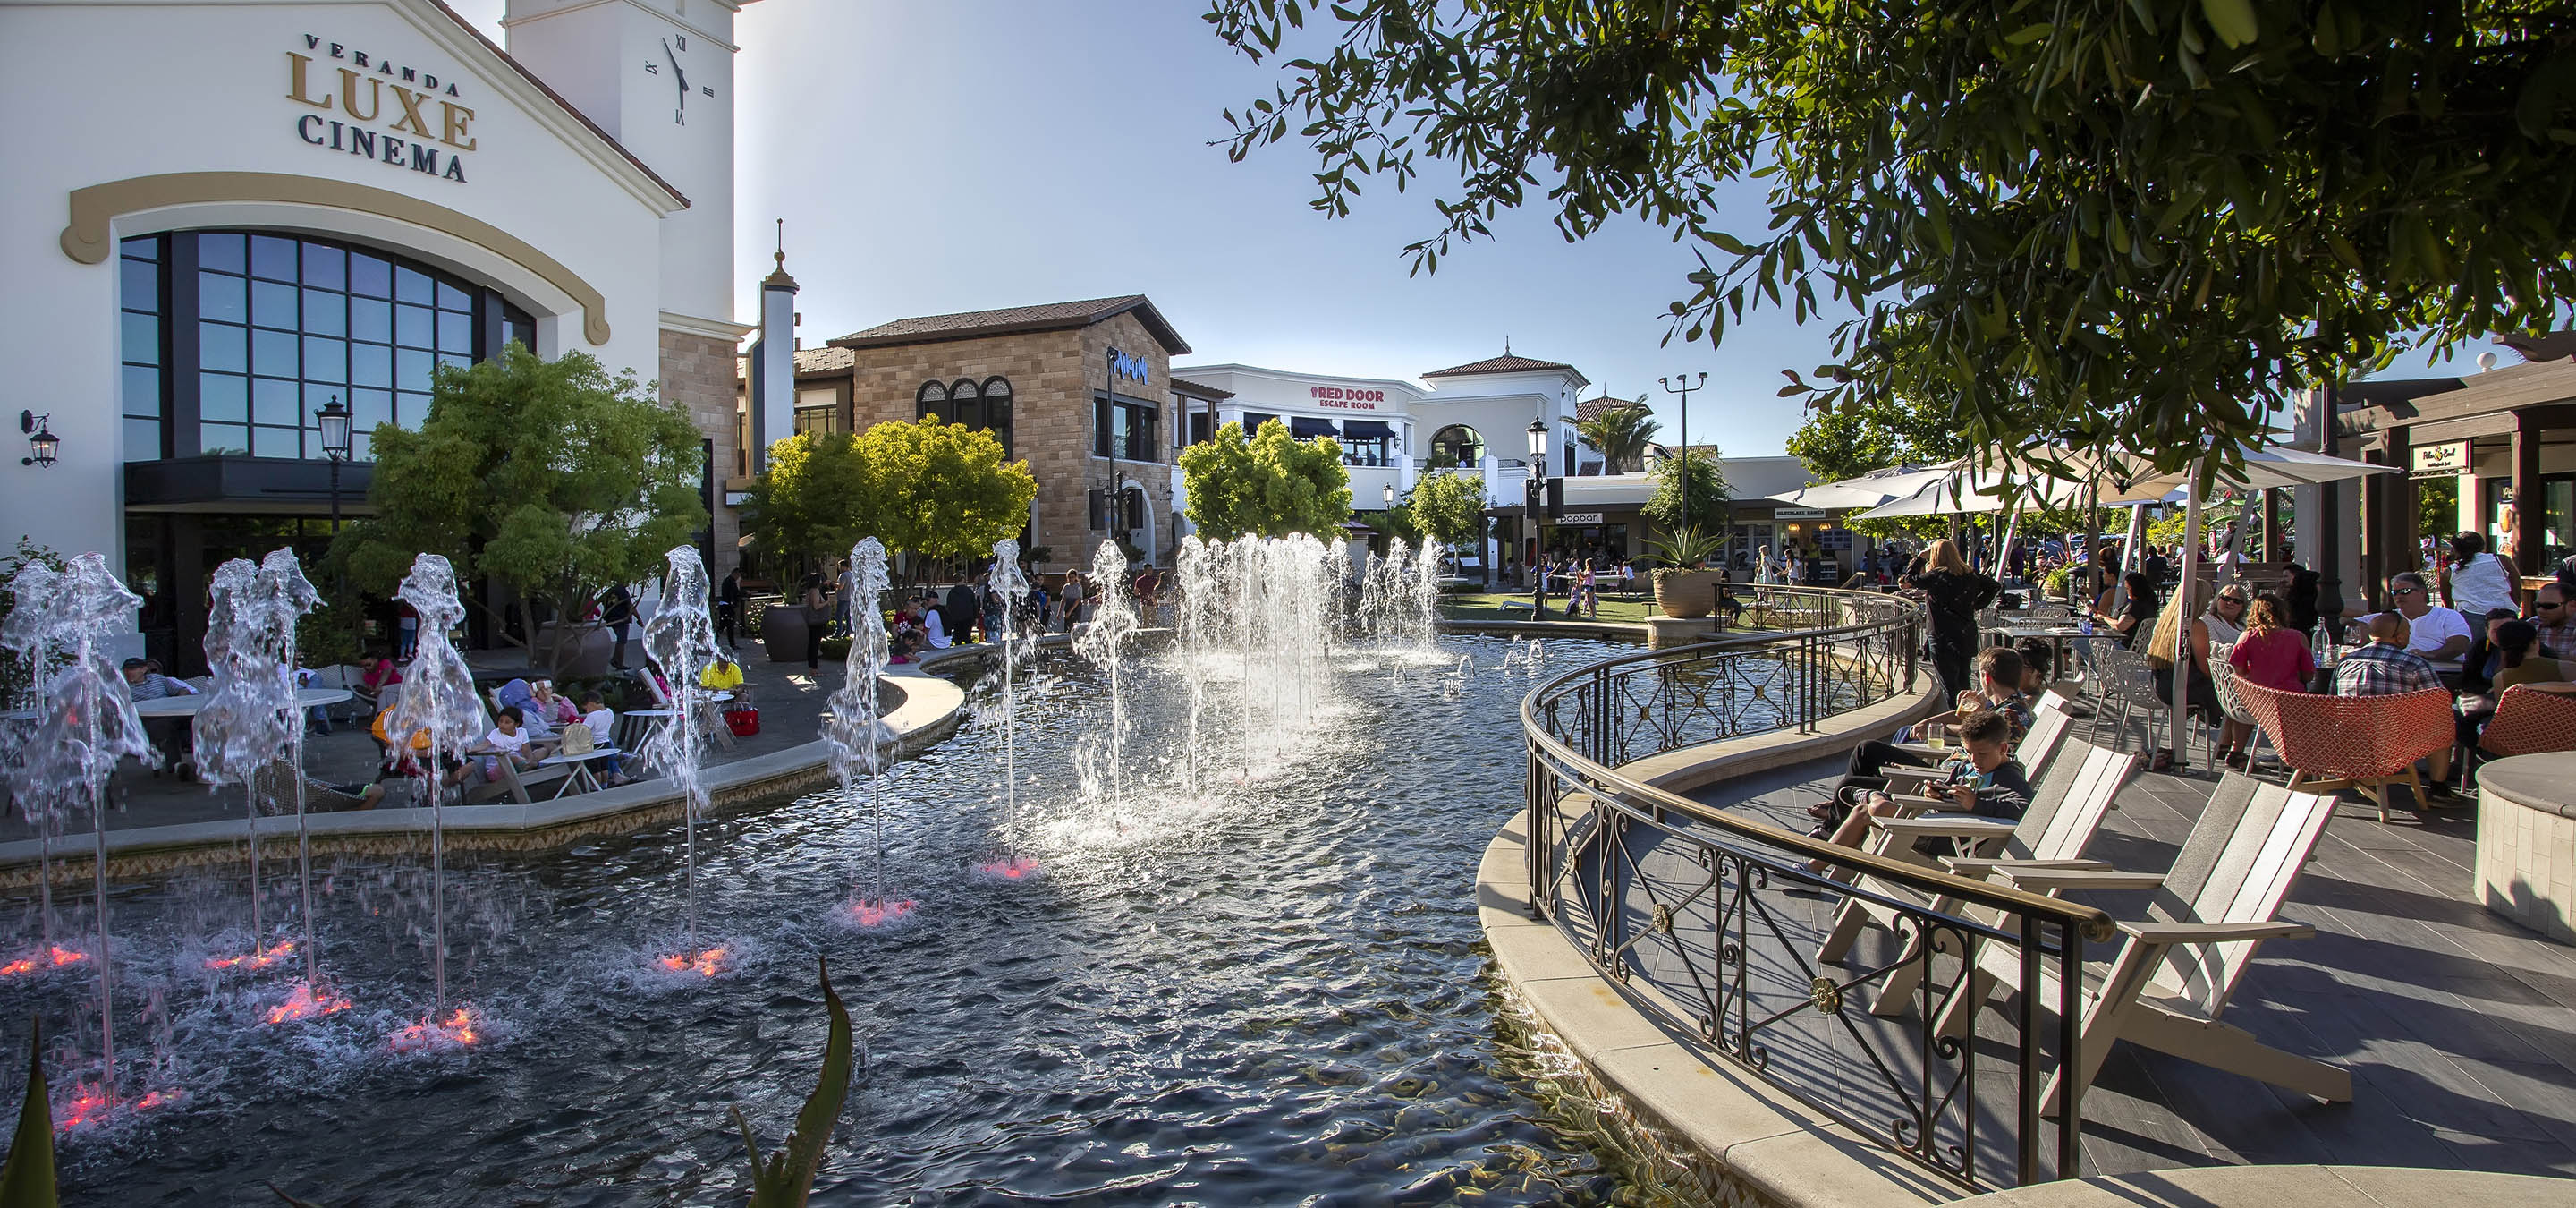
(1684, 390)
(333, 419)
(1532, 488)
(42, 444)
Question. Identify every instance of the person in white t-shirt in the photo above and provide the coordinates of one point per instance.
(507, 739)
(602, 722)
(2433, 632)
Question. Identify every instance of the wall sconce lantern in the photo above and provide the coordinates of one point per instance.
(42, 444)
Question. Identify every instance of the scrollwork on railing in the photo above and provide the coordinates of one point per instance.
(1710, 920)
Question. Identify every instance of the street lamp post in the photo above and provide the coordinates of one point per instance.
(1532, 487)
(333, 419)
(1684, 390)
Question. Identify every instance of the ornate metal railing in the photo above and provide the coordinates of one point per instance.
(1710, 919)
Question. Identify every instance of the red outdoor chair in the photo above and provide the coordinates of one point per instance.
(2364, 743)
(2528, 721)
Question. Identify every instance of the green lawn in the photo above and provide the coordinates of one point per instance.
(1466, 606)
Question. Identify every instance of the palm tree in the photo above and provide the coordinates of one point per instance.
(1621, 434)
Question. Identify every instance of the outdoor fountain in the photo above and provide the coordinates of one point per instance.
(438, 703)
(1104, 642)
(856, 736)
(1012, 585)
(85, 724)
(26, 634)
(681, 637)
(250, 730)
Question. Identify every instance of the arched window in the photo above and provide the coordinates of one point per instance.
(1456, 445)
(263, 329)
(997, 411)
(966, 403)
(932, 399)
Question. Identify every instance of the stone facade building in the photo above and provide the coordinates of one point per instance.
(1082, 391)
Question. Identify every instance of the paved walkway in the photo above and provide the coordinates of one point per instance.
(2459, 1027)
(791, 701)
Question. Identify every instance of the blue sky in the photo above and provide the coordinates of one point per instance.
(968, 154)
(981, 153)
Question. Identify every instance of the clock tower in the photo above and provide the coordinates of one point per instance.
(657, 75)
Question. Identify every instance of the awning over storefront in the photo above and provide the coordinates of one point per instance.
(1366, 429)
(1252, 421)
(1305, 427)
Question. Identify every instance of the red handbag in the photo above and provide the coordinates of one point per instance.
(743, 722)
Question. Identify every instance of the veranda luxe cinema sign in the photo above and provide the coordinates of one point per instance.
(423, 128)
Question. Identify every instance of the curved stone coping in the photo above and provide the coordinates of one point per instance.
(931, 709)
(2274, 1186)
(2546, 783)
(1767, 1147)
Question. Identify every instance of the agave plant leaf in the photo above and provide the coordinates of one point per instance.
(27, 1179)
(787, 1178)
(1686, 547)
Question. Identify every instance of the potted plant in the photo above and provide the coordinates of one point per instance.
(1681, 589)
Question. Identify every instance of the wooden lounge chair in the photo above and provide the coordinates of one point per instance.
(2066, 808)
(2366, 743)
(2169, 982)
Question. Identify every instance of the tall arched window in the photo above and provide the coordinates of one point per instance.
(997, 411)
(261, 330)
(932, 399)
(966, 403)
(1456, 445)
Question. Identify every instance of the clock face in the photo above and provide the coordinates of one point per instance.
(674, 64)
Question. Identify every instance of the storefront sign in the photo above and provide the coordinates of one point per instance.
(2439, 461)
(1579, 518)
(423, 126)
(1797, 513)
(1346, 398)
(1122, 365)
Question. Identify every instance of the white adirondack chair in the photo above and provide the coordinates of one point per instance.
(2170, 980)
(2066, 807)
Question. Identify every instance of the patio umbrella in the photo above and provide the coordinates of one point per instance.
(1866, 491)
(1962, 490)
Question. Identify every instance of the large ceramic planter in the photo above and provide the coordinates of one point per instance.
(1687, 593)
(782, 633)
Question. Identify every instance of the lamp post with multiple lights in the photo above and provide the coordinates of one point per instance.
(1532, 489)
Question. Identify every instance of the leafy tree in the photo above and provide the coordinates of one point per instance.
(932, 488)
(810, 502)
(1447, 508)
(1852, 441)
(2141, 222)
(1692, 475)
(1269, 485)
(1621, 434)
(549, 476)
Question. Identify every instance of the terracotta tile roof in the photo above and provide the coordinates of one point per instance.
(1500, 364)
(557, 98)
(1595, 408)
(1050, 316)
(826, 359)
(1195, 389)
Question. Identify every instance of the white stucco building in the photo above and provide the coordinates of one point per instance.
(221, 216)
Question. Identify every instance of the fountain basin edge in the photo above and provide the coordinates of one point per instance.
(932, 709)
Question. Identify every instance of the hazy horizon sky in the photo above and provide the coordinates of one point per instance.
(975, 154)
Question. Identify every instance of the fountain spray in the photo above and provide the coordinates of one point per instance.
(1113, 621)
(252, 717)
(438, 704)
(85, 725)
(856, 736)
(682, 639)
(1013, 587)
(25, 633)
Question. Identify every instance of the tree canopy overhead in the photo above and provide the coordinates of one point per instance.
(1269, 485)
(2131, 222)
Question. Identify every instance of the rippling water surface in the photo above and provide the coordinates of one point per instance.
(1271, 994)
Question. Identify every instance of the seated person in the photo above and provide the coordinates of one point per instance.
(2431, 631)
(2037, 667)
(934, 631)
(2386, 665)
(905, 639)
(380, 674)
(519, 694)
(1986, 782)
(596, 715)
(554, 710)
(725, 675)
(143, 679)
(174, 737)
(1997, 666)
(509, 738)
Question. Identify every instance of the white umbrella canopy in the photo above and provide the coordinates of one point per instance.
(1962, 490)
(2263, 468)
(1867, 491)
